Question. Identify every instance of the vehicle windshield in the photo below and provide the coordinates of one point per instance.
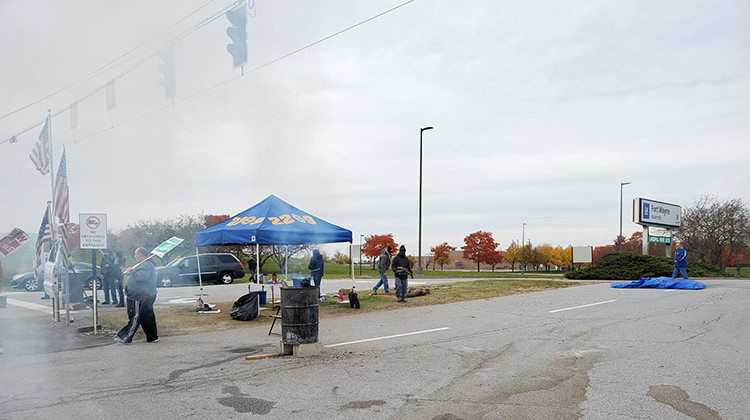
(175, 262)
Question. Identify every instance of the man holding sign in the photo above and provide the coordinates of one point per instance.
(141, 294)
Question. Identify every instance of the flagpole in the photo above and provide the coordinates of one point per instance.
(52, 221)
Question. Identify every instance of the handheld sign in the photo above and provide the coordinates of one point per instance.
(13, 240)
(166, 246)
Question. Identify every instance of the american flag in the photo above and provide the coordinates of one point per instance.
(62, 209)
(45, 235)
(40, 155)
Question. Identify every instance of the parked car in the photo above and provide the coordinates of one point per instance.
(83, 273)
(26, 281)
(217, 268)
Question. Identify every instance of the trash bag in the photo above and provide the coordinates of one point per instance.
(245, 308)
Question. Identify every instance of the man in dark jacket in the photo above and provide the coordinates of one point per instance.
(141, 294)
(384, 263)
(680, 263)
(316, 267)
(108, 280)
(402, 270)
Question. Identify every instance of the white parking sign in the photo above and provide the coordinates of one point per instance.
(93, 230)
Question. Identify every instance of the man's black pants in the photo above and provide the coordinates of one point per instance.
(140, 313)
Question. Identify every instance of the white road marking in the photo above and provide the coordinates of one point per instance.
(387, 337)
(29, 305)
(583, 306)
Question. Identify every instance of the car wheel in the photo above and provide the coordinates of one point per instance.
(164, 282)
(226, 278)
(31, 285)
(90, 283)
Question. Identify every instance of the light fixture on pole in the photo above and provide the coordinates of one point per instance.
(419, 248)
(619, 238)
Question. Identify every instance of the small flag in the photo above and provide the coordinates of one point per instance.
(62, 209)
(45, 235)
(40, 155)
(12, 241)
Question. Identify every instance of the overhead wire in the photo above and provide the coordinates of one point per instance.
(106, 65)
(217, 85)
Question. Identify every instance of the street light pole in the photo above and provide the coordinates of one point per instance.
(360, 254)
(523, 244)
(419, 248)
(619, 238)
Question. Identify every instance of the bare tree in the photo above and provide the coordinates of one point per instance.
(715, 231)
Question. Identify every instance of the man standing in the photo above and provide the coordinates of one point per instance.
(251, 265)
(402, 270)
(117, 268)
(680, 263)
(141, 294)
(316, 267)
(108, 281)
(384, 263)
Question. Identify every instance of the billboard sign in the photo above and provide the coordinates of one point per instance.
(656, 213)
(582, 254)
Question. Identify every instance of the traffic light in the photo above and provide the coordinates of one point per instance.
(238, 33)
(167, 68)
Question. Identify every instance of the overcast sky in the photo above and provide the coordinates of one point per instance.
(541, 109)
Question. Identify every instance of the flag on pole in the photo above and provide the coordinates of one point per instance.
(65, 247)
(40, 155)
(62, 208)
(45, 235)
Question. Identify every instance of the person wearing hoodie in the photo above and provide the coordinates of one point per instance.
(680, 263)
(141, 294)
(384, 263)
(316, 267)
(401, 267)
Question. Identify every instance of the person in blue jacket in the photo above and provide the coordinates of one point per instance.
(680, 263)
(316, 267)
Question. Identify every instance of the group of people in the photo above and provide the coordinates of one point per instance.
(401, 267)
(112, 266)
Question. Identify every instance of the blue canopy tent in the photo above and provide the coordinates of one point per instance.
(272, 222)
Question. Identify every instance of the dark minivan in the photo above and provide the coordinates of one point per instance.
(216, 268)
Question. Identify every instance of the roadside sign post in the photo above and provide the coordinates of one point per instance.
(659, 221)
(93, 231)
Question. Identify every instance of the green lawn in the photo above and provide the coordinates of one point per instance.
(732, 271)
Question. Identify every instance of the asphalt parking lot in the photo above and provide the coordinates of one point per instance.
(584, 352)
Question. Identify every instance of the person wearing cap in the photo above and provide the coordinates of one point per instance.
(401, 267)
(384, 263)
(680, 263)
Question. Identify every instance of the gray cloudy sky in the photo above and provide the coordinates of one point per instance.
(540, 110)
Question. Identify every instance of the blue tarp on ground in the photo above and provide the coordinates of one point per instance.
(272, 222)
(660, 283)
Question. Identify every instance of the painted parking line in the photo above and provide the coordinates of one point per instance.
(29, 305)
(387, 337)
(583, 306)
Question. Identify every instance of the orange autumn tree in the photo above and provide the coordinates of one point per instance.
(375, 244)
(441, 254)
(480, 248)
